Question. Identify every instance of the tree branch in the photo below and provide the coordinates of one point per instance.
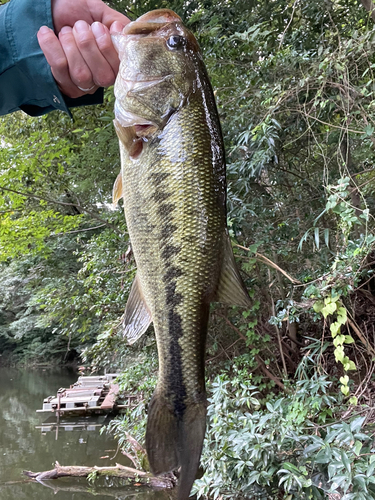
(34, 196)
(266, 260)
(132, 475)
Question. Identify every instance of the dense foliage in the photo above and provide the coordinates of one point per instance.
(291, 380)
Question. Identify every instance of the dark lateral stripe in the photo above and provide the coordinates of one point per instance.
(165, 210)
(176, 392)
(167, 231)
(158, 177)
(177, 389)
(168, 251)
(161, 196)
(172, 273)
(172, 297)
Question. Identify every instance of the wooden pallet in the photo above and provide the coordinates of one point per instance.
(87, 394)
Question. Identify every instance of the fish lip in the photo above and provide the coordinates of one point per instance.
(129, 119)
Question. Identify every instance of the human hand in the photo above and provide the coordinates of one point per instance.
(82, 56)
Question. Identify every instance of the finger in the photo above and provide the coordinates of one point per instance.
(79, 71)
(116, 27)
(101, 12)
(101, 70)
(55, 55)
(105, 45)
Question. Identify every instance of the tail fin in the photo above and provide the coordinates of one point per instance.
(191, 435)
(161, 437)
(173, 441)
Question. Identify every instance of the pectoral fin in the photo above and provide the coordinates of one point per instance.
(117, 189)
(231, 289)
(137, 317)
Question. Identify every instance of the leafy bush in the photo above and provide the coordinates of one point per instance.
(290, 448)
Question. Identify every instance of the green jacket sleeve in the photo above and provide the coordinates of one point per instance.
(26, 81)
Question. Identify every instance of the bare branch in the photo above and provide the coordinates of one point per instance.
(36, 197)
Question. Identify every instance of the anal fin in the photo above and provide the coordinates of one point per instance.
(231, 289)
(137, 317)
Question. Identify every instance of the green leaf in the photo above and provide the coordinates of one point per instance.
(316, 236)
(328, 309)
(335, 328)
(318, 306)
(350, 365)
(345, 461)
(339, 353)
(344, 380)
(357, 446)
(345, 390)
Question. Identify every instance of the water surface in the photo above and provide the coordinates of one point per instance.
(25, 447)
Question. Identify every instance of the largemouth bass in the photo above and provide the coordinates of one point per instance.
(173, 184)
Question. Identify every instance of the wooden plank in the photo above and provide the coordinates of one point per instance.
(80, 408)
(82, 393)
(110, 398)
(77, 402)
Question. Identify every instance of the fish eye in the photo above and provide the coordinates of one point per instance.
(176, 42)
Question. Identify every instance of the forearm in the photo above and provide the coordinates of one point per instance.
(26, 81)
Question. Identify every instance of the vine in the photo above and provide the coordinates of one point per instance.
(328, 307)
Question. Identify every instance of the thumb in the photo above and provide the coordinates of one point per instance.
(108, 16)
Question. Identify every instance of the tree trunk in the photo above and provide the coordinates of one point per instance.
(370, 7)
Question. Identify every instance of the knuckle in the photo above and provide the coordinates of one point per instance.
(81, 75)
(105, 79)
(85, 42)
(60, 64)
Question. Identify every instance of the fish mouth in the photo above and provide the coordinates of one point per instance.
(129, 119)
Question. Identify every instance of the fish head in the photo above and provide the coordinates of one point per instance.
(158, 66)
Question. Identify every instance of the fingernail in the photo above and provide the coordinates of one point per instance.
(81, 26)
(66, 29)
(117, 27)
(43, 30)
(98, 29)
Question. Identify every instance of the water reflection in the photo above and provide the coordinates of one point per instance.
(25, 446)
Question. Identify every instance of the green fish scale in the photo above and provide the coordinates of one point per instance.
(176, 220)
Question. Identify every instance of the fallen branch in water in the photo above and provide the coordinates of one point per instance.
(134, 476)
(112, 492)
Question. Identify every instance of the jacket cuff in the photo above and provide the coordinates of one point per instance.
(27, 79)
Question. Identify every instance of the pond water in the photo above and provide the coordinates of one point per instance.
(23, 446)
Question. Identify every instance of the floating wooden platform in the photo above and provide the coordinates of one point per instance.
(88, 395)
